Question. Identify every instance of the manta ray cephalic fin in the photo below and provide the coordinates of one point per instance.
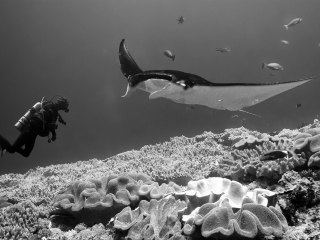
(129, 91)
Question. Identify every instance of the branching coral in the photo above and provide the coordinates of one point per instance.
(20, 220)
(251, 220)
(181, 157)
(152, 220)
(4, 202)
(97, 201)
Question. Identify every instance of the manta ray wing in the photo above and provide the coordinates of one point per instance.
(127, 65)
(232, 97)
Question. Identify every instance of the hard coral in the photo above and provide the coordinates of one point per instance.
(96, 201)
(250, 221)
(179, 159)
(305, 193)
(4, 202)
(152, 220)
(247, 164)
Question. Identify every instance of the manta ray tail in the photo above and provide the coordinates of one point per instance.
(127, 64)
(249, 113)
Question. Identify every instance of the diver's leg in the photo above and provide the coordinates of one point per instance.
(28, 141)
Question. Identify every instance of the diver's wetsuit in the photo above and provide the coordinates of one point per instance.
(35, 127)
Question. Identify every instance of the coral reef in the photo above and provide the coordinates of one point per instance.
(97, 201)
(27, 200)
(152, 220)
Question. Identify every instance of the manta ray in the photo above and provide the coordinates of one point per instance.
(187, 88)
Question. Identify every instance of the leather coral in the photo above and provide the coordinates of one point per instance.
(216, 190)
(97, 201)
(250, 221)
(152, 220)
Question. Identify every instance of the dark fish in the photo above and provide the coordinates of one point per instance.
(273, 155)
(180, 20)
(298, 105)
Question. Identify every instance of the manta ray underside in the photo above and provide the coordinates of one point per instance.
(191, 89)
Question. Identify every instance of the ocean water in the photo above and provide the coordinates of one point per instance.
(70, 48)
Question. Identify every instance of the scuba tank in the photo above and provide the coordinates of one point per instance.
(26, 117)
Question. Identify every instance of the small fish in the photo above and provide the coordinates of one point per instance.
(169, 54)
(234, 116)
(274, 155)
(284, 41)
(293, 23)
(298, 105)
(180, 20)
(272, 66)
(272, 74)
(223, 50)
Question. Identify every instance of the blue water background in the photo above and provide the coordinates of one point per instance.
(70, 47)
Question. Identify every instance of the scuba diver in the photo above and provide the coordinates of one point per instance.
(39, 120)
